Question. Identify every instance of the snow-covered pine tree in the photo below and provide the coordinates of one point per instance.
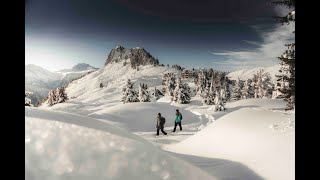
(263, 87)
(227, 88)
(143, 93)
(257, 84)
(209, 93)
(201, 86)
(52, 98)
(247, 91)
(168, 84)
(219, 106)
(156, 93)
(140, 97)
(63, 97)
(58, 95)
(205, 94)
(27, 101)
(267, 85)
(287, 70)
(129, 94)
(223, 95)
(236, 91)
(181, 92)
(286, 78)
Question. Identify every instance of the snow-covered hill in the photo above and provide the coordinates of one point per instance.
(259, 135)
(65, 146)
(248, 73)
(114, 76)
(40, 81)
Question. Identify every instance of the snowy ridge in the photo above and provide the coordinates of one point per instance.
(79, 67)
(248, 73)
(35, 73)
(114, 77)
(136, 56)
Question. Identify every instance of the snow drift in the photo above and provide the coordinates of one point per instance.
(259, 137)
(66, 146)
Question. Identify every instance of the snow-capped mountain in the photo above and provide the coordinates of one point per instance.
(122, 64)
(40, 81)
(34, 73)
(79, 67)
(75, 72)
(248, 73)
(137, 56)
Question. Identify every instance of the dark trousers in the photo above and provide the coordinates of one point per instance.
(175, 125)
(161, 131)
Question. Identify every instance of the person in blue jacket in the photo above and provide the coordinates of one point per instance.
(177, 121)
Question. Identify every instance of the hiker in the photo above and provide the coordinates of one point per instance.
(177, 121)
(160, 124)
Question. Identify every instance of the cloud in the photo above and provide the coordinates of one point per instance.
(265, 54)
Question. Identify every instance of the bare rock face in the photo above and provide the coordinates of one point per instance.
(137, 56)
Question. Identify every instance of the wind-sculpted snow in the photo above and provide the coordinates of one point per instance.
(65, 147)
(258, 134)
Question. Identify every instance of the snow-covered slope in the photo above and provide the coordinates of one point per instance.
(259, 135)
(114, 76)
(40, 81)
(80, 69)
(35, 73)
(136, 117)
(248, 73)
(66, 146)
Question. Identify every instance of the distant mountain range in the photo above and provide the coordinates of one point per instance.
(40, 81)
(79, 67)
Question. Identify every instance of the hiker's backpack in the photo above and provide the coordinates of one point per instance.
(163, 120)
(180, 116)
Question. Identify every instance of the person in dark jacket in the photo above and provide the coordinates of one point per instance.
(160, 124)
(177, 121)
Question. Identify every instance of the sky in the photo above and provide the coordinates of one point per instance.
(224, 35)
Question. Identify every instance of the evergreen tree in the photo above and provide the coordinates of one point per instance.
(63, 97)
(168, 84)
(209, 93)
(263, 87)
(156, 93)
(247, 91)
(56, 96)
(143, 93)
(129, 94)
(286, 78)
(237, 88)
(227, 86)
(219, 106)
(52, 97)
(181, 93)
(27, 101)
